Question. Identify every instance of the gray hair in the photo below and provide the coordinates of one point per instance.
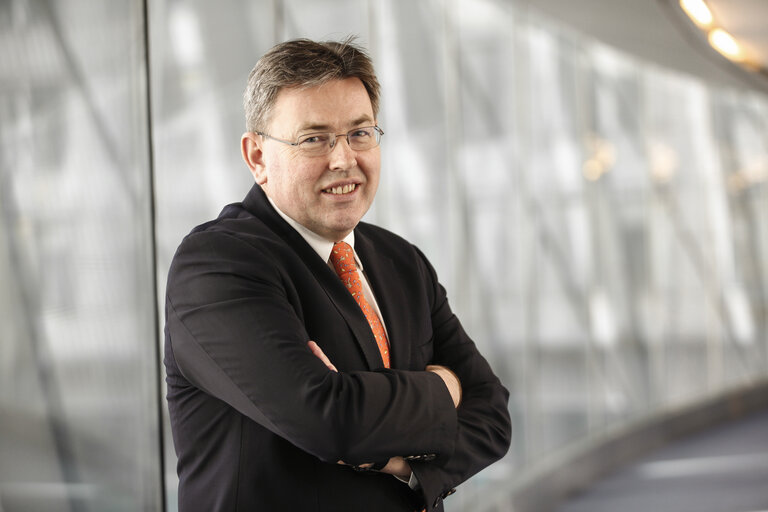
(304, 63)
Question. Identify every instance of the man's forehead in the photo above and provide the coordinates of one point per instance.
(319, 126)
(335, 104)
(351, 86)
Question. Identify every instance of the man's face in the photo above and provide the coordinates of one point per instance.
(306, 188)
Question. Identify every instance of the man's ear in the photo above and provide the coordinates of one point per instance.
(250, 147)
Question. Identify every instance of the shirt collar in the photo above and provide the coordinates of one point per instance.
(321, 245)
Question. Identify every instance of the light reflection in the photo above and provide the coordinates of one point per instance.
(184, 30)
(698, 11)
(593, 169)
(602, 157)
(724, 43)
(602, 319)
(663, 161)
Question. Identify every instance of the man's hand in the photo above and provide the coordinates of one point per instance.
(317, 351)
(452, 382)
(396, 466)
(450, 379)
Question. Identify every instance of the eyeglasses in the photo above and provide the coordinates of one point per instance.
(319, 144)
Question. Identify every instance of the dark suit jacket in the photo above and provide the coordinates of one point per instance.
(259, 422)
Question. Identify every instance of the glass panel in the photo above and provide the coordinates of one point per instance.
(79, 427)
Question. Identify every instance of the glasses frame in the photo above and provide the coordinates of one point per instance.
(378, 131)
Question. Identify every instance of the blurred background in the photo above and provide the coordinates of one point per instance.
(590, 180)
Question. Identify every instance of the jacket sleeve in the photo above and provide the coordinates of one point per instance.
(484, 427)
(234, 331)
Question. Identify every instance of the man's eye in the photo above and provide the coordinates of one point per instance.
(314, 140)
(360, 134)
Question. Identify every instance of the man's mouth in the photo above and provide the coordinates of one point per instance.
(344, 189)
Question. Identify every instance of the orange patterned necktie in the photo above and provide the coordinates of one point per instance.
(343, 259)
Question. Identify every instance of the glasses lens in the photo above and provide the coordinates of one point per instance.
(361, 139)
(316, 143)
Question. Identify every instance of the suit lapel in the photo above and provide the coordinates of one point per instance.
(382, 274)
(257, 203)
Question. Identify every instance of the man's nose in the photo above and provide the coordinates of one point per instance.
(342, 156)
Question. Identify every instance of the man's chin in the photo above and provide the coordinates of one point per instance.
(340, 229)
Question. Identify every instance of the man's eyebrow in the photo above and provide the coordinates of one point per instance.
(314, 127)
(365, 118)
(319, 127)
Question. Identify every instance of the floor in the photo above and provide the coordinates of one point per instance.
(719, 470)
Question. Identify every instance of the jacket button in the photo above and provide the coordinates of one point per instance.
(442, 497)
(428, 456)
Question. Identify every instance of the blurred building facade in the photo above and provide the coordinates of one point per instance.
(600, 223)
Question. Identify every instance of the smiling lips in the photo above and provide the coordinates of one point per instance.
(344, 189)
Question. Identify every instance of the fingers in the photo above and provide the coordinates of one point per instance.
(450, 379)
(397, 466)
(318, 352)
(364, 466)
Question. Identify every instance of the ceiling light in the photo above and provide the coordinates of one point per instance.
(698, 11)
(724, 43)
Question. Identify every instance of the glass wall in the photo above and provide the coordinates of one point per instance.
(601, 224)
(79, 395)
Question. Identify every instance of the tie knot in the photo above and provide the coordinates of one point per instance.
(343, 258)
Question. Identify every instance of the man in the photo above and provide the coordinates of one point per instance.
(313, 361)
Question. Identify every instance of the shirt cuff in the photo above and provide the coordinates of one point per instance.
(412, 482)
